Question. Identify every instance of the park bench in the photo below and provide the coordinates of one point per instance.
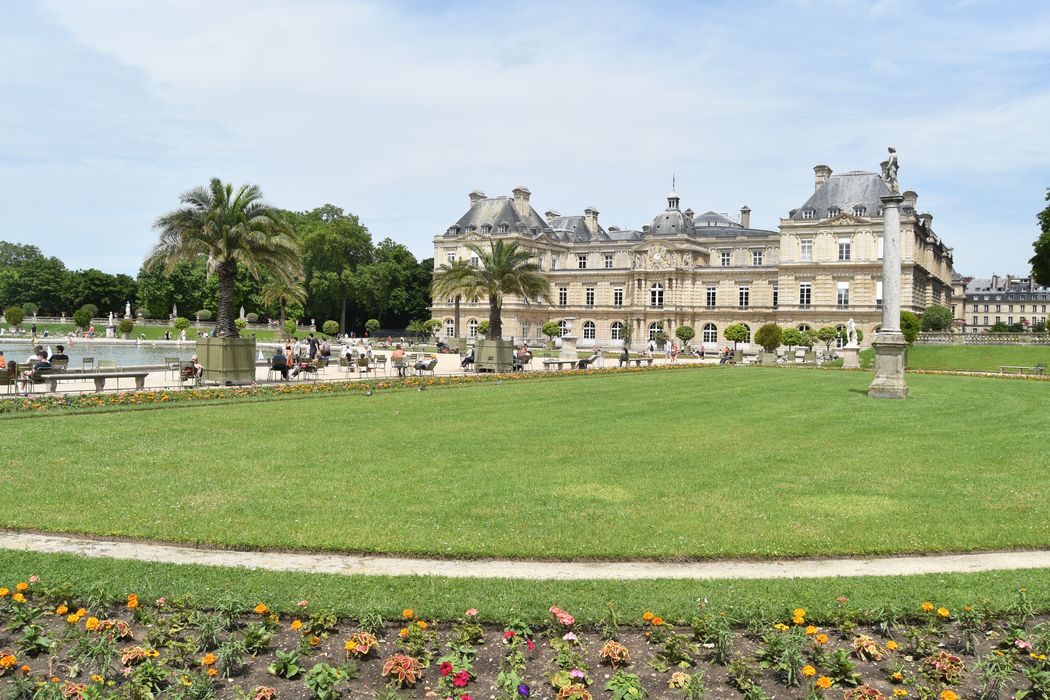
(558, 364)
(639, 360)
(99, 378)
(1020, 369)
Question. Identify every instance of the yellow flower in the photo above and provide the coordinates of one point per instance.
(798, 612)
(943, 612)
(897, 677)
(95, 678)
(799, 620)
(780, 626)
(314, 641)
(647, 615)
(403, 632)
(811, 630)
(61, 610)
(1037, 657)
(4, 592)
(422, 624)
(18, 598)
(407, 613)
(296, 625)
(81, 612)
(350, 645)
(72, 619)
(822, 638)
(824, 682)
(891, 645)
(949, 695)
(21, 586)
(261, 609)
(91, 624)
(808, 671)
(900, 693)
(927, 606)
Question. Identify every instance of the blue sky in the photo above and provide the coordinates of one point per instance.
(396, 110)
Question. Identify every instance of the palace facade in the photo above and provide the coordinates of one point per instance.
(821, 268)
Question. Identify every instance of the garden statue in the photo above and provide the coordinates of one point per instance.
(174, 311)
(127, 309)
(242, 312)
(889, 171)
(110, 318)
(851, 334)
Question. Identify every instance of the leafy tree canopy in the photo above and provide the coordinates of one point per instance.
(1041, 260)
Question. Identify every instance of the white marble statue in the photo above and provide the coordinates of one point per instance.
(889, 171)
(851, 334)
(127, 309)
(110, 318)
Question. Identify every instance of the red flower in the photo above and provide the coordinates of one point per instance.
(445, 668)
(461, 679)
(508, 634)
(530, 644)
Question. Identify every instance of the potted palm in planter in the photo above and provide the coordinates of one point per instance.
(229, 229)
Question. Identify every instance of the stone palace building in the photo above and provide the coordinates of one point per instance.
(822, 267)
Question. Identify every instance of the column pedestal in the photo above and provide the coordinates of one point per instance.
(568, 348)
(890, 349)
(850, 355)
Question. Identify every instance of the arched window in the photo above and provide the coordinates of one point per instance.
(655, 328)
(472, 327)
(563, 329)
(748, 329)
(656, 295)
(616, 330)
(840, 341)
(524, 329)
(710, 333)
(802, 328)
(450, 327)
(588, 330)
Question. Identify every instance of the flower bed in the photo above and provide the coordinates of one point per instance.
(55, 646)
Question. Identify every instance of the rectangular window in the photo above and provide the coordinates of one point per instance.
(879, 248)
(1010, 320)
(608, 261)
(756, 258)
(744, 297)
(842, 296)
(998, 319)
(727, 258)
(975, 320)
(581, 262)
(563, 296)
(986, 320)
(450, 257)
(618, 296)
(844, 248)
(998, 308)
(776, 296)
(1010, 308)
(712, 296)
(474, 261)
(588, 296)
(805, 294)
(878, 294)
(986, 308)
(554, 262)
(806, 252)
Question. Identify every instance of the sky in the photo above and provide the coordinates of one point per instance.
(396, 110)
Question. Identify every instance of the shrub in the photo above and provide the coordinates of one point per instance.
(91, 309)
(550, 329)
(181, 323)
(936, 318)
(204, 315)
(791, 337)
(910, 326)
(770, 336)
(125, 325)
(289, 327)
(321, 681)
(14, 315)
(660, 337)
(29, 308)
(82, 318)
(240, 323)
(735, 332)
(330, 327)
(685, 334)
(252, 317)
(372, 325)
(483, 328)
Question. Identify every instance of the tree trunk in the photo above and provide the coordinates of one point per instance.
(495, 321)
(457, 316)
(224, 320)
(342, 315)
(282, 317)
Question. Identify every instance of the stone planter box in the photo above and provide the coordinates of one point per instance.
(227, 360)
(494, 355)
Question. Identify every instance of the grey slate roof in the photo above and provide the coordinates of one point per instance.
(625, 234)
(714, 220)
(576, 229)
(671, 222)
(494, 211)
(844, 191)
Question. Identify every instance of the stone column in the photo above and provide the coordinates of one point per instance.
(889, 343)
(568, 341)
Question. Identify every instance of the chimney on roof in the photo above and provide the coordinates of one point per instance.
(927, 219)
(745, 216)
(521, 201)
(591, 216)
(995, 282)
(909, 200)
(821, 173)
(476, 196)
(551, 215)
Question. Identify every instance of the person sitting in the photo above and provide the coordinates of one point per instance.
(3, 360)
(41, 365)
(279, 363)
(625, 357)
(303, 366)
(61, 354)
(397, 358)
(198, 368)
(588, 361)
(468, 359)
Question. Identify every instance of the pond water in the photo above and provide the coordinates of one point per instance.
(124, 354)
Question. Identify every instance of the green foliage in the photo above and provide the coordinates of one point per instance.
(321, 680)
(240, 323)
(372, 325)
(286, 666)
(685, 333)
(770, 336)
(91, 309)
(231, 658)
(735, 332)
(936, 318)
(17, 254)
(82, 318)
(203, 315)
(827, 335)
(483, 328)
(181, 323)
(330, 327)
(290, 327)
(14, 315)
(626, 686)
(126, 325)
(550, 329)
(30, 308)
(1041, 260)
(792, 337)
(910, 326)
(252, 317)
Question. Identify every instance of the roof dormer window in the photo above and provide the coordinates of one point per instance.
(834, 211)
(807, 213)
(859, 210)
(502, 228)
(486, 229)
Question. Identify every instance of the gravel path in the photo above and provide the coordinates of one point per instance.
(348, 564)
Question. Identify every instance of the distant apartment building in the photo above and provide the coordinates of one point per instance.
(1009, 300)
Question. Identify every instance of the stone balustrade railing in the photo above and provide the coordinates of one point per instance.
(983, 339)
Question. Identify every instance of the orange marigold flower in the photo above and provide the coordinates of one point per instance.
(21, 586)
(949, 695)
(657, 621)
(314, 641)
(891, 645)
(811, 630)
(943, 612)
(822, 638)
(208, 660)
(81, 612)
(61, 610)
(212, 672)
(422, 624)
(824, 682)
(296, 625)
(91, 624)
(4, 592)
(799, 620)
(25, 668)
(408, 614)
(927, 606)
(8, 661)
(647, 615)
(798, 612)
(808, 671)
(403, 632)
(261, 609)
(18, 598)
(72, 619)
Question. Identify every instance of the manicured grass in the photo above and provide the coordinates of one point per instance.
(983, 358)
(503, 600)
(721, 461)
(58, 331)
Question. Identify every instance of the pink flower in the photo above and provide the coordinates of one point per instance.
(566, 619)
(473, 612)
(576, 673)
(464, 696)
(302, 603)
(569, 637)
(842, 599)
(1022, 644)
(161, 601)
(555, 610)
(34, 578)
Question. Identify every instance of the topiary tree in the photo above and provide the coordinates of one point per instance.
(289, 327)
(126, 325)
(181, 323)
(82, 318)
(936, 318)
(551, 330)
(204, 315)
(91, 309)
(483, 328)
(792, 337)
(910, 326)
(30, 308)
(252, 317)
(827, 335)
(685, 334)
(240, 323)
(809, 337)
(626, 330)
(770, 336)
(372, 325)
(735, 332)
(14, 315)
(330, 327)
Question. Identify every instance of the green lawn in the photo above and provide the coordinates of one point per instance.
(505, 600)
(61, 330)
(985, 358)
(708, 462)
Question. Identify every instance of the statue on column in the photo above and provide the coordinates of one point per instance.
(889, 171)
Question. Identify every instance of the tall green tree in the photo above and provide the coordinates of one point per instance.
(1041, 260)
(17, 254)
(448, 283)
(335, 244)
(44, 281)
(503, 268)
(279, 292)
(230, 229)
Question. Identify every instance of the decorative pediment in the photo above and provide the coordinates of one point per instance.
(658, 256)
(472, 236)
(846, 220)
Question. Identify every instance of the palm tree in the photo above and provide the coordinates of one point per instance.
(229, 229)
(446, 284)
(278, 291)
(504, 268)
